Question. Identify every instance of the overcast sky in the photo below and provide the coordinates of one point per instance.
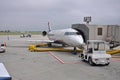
(35, 14)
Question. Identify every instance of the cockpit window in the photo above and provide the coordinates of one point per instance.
(70, 33)
(77, 33)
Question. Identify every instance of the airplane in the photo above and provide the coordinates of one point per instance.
(70, 37)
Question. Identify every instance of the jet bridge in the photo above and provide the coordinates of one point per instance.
(83, 30)
(109, 33)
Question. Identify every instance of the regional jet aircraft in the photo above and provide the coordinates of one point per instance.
(68, 36)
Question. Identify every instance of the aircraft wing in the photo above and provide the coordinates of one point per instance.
(41, 41)
(36, 41)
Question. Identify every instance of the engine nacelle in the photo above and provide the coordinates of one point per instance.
(44, 33)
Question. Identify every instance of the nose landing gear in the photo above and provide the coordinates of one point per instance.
(75, 51)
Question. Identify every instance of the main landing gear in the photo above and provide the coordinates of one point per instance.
(75, 51)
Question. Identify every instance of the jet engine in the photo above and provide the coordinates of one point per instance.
(44, 33)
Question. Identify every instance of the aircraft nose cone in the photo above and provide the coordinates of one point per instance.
(78, 41)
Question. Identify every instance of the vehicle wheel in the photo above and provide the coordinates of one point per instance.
(2, 51)
(90, 62)
(82, 57)
(49, 44)
(63, 45)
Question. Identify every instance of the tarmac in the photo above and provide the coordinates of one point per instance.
(25, 65)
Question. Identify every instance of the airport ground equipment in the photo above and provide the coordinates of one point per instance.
(25, 35)
(4, 75)
(112, 52)
(95, 53)
(44, 47)
(2, 48)
(114, 44)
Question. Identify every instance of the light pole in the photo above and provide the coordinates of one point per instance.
(8, 34)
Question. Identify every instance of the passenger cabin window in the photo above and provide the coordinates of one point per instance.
(70, 33)
(50, 34)
(100, 30)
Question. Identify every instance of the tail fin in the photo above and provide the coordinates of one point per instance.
(49, 28)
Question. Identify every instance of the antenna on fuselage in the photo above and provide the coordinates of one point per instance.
(49, 28)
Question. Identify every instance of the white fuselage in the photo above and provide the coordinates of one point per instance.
(67, 36)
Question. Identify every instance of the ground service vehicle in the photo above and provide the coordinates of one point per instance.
(2, 48)
(25, 35)
(95, 53)
(4, 75)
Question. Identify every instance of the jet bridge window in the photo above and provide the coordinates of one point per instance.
(70, 33)
(100, 31)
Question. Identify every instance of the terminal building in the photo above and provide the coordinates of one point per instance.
(109, 33)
